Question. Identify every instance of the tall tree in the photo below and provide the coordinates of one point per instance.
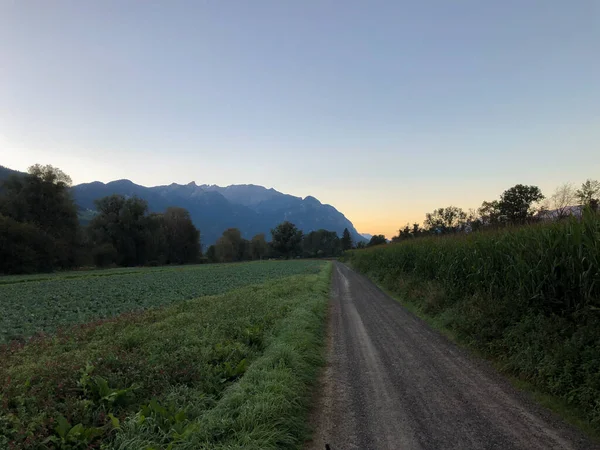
(518, 202)
(287, 239)
(259, 247)
(182, 237)
(489, 212)
(232, 247)
(589, 193)
(123, 224)
(346, 240)
(444, 220)
(42, 200)
(560, 202)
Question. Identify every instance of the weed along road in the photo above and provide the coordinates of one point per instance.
(391, 382)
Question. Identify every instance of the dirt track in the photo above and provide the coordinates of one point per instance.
(393, 383)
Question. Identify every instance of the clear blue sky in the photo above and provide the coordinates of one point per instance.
(385, 109)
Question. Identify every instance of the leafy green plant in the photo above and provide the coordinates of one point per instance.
(231, 372)
(167, 419)
(97, 387)
(254, 335)
(73, 437)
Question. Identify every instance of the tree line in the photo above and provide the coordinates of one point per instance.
(519, 205)
(40, 232)
(287, 241)
(40, 229)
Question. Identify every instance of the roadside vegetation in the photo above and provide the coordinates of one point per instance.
(233, 370)
(528, 297)
(519, 205)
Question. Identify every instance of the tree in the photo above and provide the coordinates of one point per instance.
(259, 247)
(321, 243)
(105, 255)
(24, 248)
(589, 193)
(50, 174)
(124, 224)
(403, 233)
(42, 200)
(489, 212)
(232, 247)
(416, 230)
(474, 221)
(211, 254)
(517, 203)
(361, 245)
(182, 237)
(561, 201)
(378, 239)
(444, 220)
(346, 240)
(287, 239)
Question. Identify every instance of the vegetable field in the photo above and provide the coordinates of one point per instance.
(45, 303)
(233, 370)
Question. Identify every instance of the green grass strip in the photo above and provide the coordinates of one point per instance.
(268, 407)
(227, 371)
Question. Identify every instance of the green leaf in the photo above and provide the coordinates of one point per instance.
(180, 416)
(115, 422)
(63, 426)
(102, 388)
(75, 432)
(92, 432)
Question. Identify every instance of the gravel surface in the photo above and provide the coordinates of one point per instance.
(391, 382)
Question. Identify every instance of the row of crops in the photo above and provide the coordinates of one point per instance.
(44, 303)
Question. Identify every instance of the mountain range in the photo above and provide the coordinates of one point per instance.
(251, 208)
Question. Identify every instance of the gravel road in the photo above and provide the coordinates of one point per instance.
(393, 383)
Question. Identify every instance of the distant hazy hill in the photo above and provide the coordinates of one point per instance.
(5, 172)
(253, 209)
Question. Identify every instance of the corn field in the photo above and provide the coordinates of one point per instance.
(554, 267)
(527, 297)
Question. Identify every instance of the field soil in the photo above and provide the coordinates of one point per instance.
(391, 382)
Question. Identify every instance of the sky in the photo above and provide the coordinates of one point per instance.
(384, 109)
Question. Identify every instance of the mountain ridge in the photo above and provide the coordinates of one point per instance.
(251, 208)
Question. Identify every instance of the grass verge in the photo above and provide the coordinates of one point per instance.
(227, 371)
